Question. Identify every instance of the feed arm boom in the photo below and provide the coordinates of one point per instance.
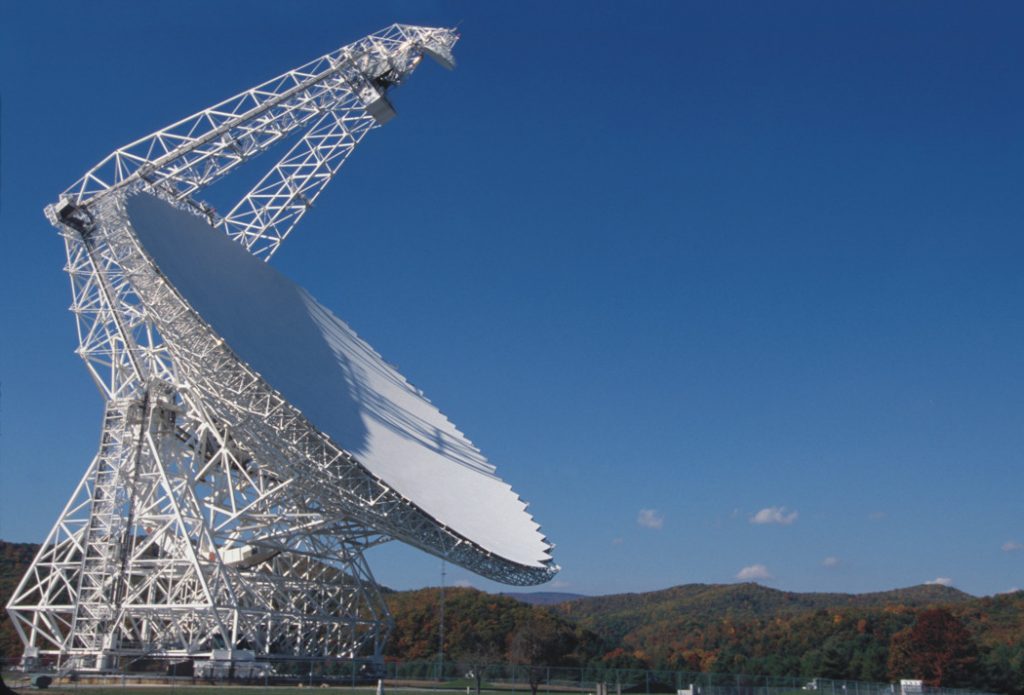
(339, 97)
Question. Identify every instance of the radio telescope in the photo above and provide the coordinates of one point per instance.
(252, 446)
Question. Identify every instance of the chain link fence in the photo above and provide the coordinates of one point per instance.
(463, 676)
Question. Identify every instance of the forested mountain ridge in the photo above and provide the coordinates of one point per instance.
(932, 632)
(542, 598)
(615, 615)
(748, 628)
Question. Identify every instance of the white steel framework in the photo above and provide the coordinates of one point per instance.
(201, 523)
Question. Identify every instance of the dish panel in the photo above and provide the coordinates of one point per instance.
(341, 385)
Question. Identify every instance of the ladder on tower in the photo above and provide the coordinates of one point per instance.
(107, 534)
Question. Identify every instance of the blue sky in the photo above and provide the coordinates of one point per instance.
(726, 290)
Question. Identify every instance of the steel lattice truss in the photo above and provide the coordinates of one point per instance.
(201, 523)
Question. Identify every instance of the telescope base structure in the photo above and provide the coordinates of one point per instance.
(222, 519)
(176, 545)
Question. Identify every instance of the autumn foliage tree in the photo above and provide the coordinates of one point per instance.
(14, 560)
(540, 641)
(937, 649)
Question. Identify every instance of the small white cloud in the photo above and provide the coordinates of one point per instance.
(649, 518)
(463, 583)
(876, 516)
(941, 581)
(560, 584)
(754, 572)
(831, 561)
(1011, 590)
(774, 515)
(617, 541)
(1012, 546)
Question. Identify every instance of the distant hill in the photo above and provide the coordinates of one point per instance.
(718, 628)
(615, 615)
(542, 598)
(748, 628)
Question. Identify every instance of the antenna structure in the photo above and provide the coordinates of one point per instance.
(202, 528)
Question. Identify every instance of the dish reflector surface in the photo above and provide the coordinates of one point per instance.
(342, 386)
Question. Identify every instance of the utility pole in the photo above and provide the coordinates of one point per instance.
(440, 637)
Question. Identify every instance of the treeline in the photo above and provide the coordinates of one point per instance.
(486, 628)
(14, 561)
(940, 635)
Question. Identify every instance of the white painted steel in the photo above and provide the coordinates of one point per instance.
(338, 382)
(203, 522)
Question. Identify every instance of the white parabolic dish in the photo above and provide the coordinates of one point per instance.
(338, 382)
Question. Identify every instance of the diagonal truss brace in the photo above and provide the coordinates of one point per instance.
(176, 542)
(178, 539)
(338, 97)
(269, 212)
(343, 93)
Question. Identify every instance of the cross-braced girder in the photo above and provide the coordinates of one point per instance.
(352, 81)
(170, 546)
(177, 540)
(265, 217)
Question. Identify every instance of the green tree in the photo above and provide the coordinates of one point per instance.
(1003, 668)
(810, 664)
(870, 663)
(835, 658)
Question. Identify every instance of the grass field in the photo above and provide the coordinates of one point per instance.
(20, 683)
